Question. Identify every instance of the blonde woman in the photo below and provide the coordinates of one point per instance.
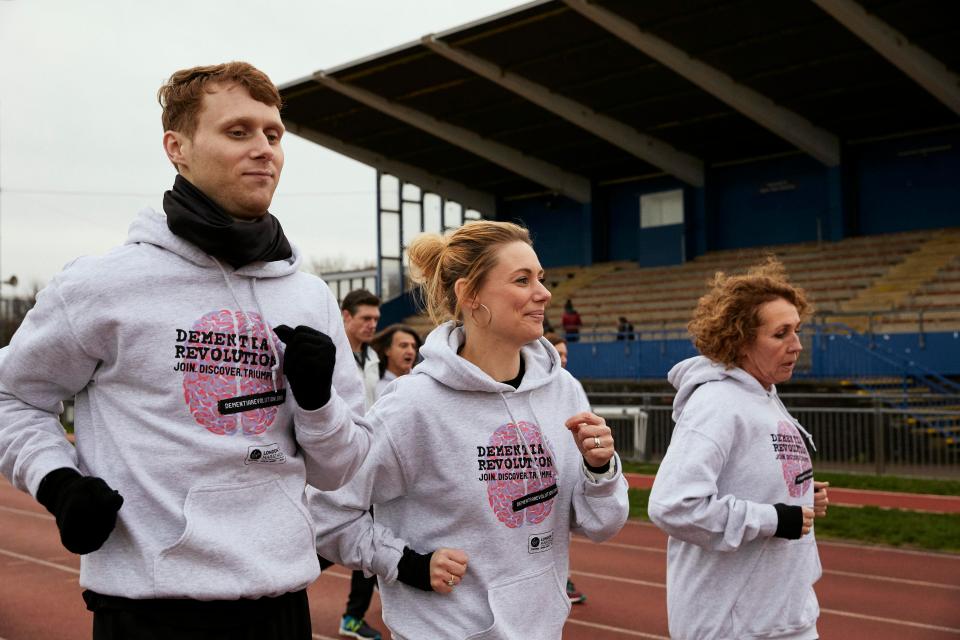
(487, 458)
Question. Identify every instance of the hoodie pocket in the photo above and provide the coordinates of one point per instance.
(247, 540)
(533, 606)
(779, 596)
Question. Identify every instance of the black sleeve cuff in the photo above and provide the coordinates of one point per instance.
(789, 521)
(597, 470)
(414, 569)
(48, 493)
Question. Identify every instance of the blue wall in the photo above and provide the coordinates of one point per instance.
(660, 246)
(832, 356)
(881, 187)
(900, 187)
(768, 203)
(561, 228)
(624, 238)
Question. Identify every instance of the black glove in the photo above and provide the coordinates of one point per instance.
(789, 521)
(85, 508)
(308, 364)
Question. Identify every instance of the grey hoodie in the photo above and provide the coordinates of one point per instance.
(470, 463)
(164, 349)
(735, 452)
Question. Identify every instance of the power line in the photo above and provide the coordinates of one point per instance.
(137, 194)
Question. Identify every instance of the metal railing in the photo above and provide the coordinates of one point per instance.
(866, 436)
(629, 426)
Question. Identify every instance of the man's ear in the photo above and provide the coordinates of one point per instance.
(346, 315)
(173, 145)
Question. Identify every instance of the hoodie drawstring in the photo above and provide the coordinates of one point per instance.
(273, 347)
(523, 439)
(796, 422)
(248, 325)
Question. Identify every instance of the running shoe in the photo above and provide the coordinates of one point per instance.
(356, 628)
(575, 596)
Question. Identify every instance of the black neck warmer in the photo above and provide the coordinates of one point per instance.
(198, 219)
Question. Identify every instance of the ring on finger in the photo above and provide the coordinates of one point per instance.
(596, 442)
(451, 582)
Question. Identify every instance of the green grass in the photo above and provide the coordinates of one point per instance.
(931, 531)
(892, 483)
(854, 481)
(638, 503)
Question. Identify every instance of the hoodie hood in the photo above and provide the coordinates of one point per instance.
(150, 227)
(687, 375)
(441, 362)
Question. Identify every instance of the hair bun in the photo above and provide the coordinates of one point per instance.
(425, 252)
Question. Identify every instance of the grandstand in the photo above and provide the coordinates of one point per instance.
(648, 145)
(894, 276)
(856, 274)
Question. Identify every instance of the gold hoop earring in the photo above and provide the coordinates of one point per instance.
(489, 316)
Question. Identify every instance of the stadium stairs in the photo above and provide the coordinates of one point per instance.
(861, 287)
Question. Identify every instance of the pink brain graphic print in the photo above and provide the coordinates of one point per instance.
(527, 468)
(215, 376)
(795, 461)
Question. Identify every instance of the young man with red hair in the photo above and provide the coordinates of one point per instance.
(200, 413)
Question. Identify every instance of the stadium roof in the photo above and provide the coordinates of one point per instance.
(559, 96)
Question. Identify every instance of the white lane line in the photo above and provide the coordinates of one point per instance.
(609, 578)
(942, 555)
(24, 512)
(623, 545)
(62, 567)
(916, 625)
(849, 574)
(849, 614)
(52, 565)
(626, 632)
(915, 583)
(345, 576)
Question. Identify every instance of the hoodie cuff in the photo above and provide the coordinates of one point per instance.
(789, 521)
(318, 423)
(386, 563)
(41, 464)
(602, 483)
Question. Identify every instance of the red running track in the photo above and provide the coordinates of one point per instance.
(868, 593)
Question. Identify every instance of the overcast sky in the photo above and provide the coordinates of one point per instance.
(80, 135)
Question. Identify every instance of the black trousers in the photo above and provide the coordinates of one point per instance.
(361, 593)
(285, 617)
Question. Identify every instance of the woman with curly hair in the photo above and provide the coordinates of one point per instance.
(735, 491)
